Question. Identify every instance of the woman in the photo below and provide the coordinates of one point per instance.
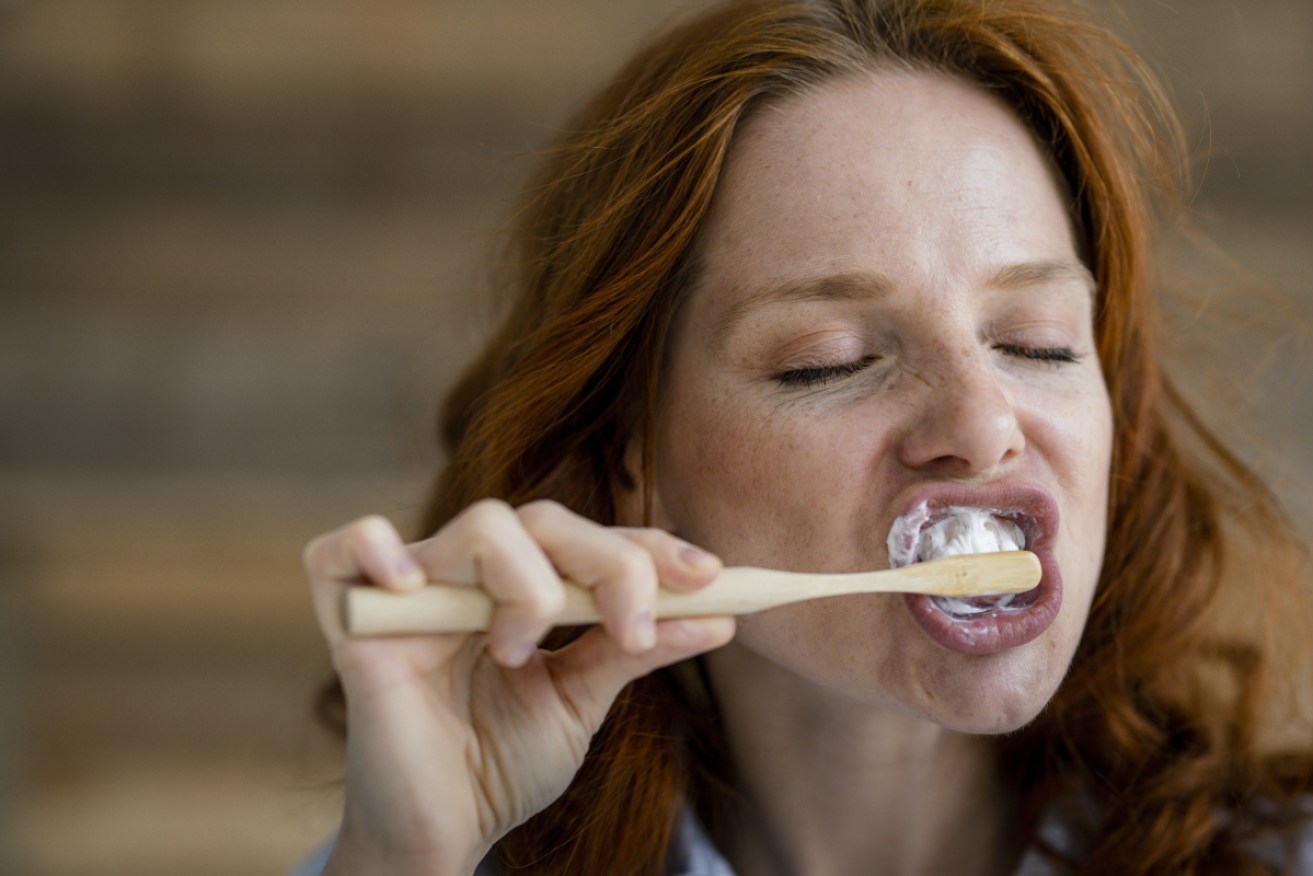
(809, 274)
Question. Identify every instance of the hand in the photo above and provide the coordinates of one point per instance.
(456, 738)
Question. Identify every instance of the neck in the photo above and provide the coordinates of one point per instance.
(834, 787)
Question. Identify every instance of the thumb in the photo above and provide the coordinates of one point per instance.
(592, 670)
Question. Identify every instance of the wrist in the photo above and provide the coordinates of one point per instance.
(354, 855)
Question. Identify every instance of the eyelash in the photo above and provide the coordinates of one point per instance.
(1049, 355)
(820, 375)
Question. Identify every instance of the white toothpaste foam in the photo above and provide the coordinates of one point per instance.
(962, 530)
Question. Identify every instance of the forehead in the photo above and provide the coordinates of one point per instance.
(917, 176)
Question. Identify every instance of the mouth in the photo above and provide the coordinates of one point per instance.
(958, 520)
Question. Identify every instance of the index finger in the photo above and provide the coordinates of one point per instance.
(680, 566)
(366, 551)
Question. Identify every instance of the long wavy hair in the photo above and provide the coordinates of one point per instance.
(1161, 728)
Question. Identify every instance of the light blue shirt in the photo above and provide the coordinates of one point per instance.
(693, 853)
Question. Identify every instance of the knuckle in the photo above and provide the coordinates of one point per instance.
(551, 600)
(651, 539)
(336, 553)
(369, 528)
(633, 564)
(486, 515)
(540, 604)
(540, 511)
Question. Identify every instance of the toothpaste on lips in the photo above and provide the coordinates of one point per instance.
(960, 530)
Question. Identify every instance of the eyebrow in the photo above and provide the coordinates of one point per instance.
(865, 285)
(848, 286)
(1042, 272)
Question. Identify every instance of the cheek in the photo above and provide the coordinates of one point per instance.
(1078, 445)
(1091, 463)
(759, 487)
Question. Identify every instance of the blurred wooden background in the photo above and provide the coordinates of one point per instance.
(239, 257)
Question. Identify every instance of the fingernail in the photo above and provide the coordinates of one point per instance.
(695, 558)
(645, 630)
(408, 570)
(519, 654)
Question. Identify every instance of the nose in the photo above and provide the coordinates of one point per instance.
(963, 421)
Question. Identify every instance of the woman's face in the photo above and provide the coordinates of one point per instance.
(890, 311)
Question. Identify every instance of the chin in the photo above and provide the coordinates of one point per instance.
(999, 694)
(867, 652)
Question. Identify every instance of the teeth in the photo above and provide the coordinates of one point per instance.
(968, 531)
(962, 530)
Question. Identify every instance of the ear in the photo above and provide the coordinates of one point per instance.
(630, 504)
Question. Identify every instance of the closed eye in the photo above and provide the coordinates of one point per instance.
(1054, 355)
(820, 375)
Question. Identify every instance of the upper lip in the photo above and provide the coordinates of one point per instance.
(1031, 506)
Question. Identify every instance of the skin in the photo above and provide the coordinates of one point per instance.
(455, 739)
(793, 431)
(798, 424)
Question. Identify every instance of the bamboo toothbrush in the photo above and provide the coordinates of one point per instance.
(736, 590)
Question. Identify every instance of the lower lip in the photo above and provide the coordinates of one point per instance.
(994, 631)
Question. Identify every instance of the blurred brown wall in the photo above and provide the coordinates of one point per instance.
(238, 241)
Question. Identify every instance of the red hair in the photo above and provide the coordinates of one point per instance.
(1160, 724)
